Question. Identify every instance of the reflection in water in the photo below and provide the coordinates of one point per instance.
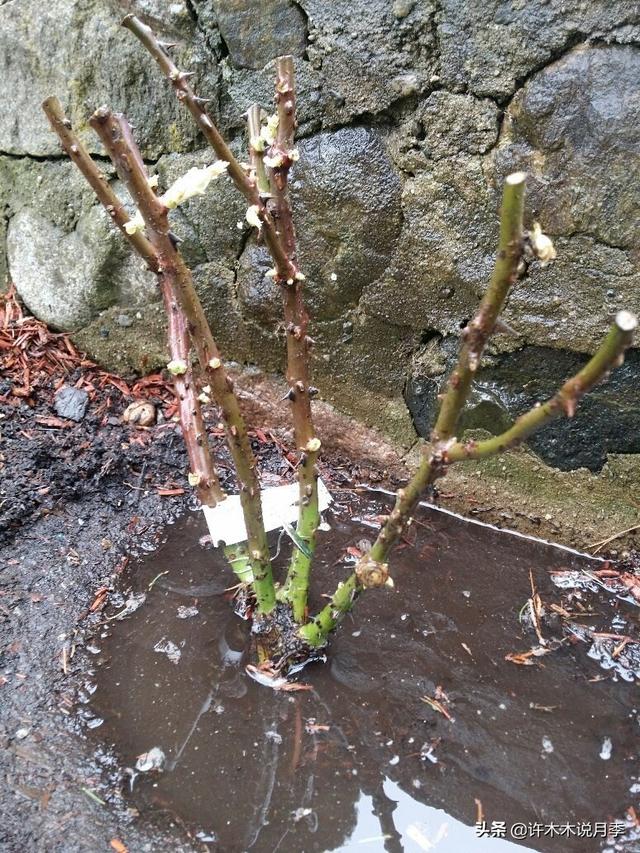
(404, 824)
(361, 762)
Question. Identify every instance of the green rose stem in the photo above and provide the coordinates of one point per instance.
(372, 570)
(609, 355)
(478, 331)
(116, 136)
(281, 155)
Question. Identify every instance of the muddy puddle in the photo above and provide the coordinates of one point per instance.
(415, 726)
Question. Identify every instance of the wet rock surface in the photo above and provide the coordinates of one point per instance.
(606, 420)
(410, 114)
(254, 31)
(489, 48)
(574, 128)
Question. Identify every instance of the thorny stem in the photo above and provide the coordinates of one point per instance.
(96, 179)
(194, 431)
(274, 214)
(116, 137)
(372, 570)
(201, 463)
(474, 337)
(256, 151)
(296, 586)
(564, 402)
(610, 354)
(316, 631)
(197, 108)
(478, 331)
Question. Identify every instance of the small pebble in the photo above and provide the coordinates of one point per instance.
(71, 403)
(140, 413)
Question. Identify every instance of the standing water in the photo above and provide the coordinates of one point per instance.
(416, 727)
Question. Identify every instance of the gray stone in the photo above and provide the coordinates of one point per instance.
(402, 8)
(66, 279)
(362, 59)
(346, 200)
(55, 273)
(139, 348)
(76, 49)
(574, 129)
(444, 125)
(445, 254)
(258, 295)
(257, 31)
(489, 47)
(71, 403)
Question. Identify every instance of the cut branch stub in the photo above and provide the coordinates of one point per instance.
(256, 151)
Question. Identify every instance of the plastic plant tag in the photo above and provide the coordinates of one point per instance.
(279, 508)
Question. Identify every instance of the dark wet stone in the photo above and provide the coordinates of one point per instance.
(346, 200)
(257, 31)
(606, 421)
(574, 128)
(71, 403)
(258, 294)
(488, 47)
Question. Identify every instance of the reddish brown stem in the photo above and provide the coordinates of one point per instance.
(189, 410)
(201, 463)
(115, 135)
(280, 158)
(197, 108)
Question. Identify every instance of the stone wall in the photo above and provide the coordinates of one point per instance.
(411, 112)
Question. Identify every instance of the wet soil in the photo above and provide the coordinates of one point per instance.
(361, 760)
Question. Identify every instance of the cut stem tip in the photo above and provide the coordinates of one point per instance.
(516, 178)
(626, 321)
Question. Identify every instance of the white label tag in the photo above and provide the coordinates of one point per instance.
(279, 507)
